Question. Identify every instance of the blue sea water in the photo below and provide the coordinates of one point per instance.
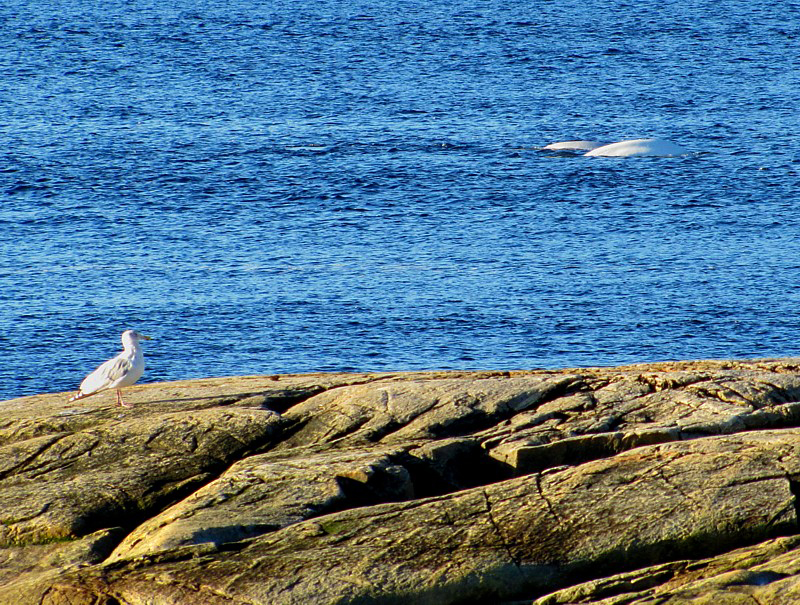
(323, 186)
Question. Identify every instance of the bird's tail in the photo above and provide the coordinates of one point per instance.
(78, 395)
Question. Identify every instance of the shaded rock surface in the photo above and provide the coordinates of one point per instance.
(657, 483)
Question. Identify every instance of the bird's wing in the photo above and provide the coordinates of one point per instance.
(107, 375)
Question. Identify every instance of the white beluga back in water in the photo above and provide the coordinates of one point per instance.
(639, 147)
(573, 146)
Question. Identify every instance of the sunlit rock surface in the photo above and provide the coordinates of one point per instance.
(660, 483)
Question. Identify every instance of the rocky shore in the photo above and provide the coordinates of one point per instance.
(661, 483)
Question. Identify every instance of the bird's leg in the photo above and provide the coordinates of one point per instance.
(121, 403)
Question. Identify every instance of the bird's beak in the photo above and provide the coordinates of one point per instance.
(143, 337)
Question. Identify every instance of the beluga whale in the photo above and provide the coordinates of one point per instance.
(573, 146)
(621, 149)
(639, 147)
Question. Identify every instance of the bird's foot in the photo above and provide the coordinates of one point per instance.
(122, 403)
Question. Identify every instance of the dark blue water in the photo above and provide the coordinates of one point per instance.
(304, 186)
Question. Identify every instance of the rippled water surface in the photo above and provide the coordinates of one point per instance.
(294, 187)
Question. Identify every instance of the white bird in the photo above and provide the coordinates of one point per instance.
(121, 371)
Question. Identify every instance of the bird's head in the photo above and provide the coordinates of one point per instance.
(132, 337)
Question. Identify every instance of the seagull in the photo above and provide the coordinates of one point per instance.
(121, 371)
